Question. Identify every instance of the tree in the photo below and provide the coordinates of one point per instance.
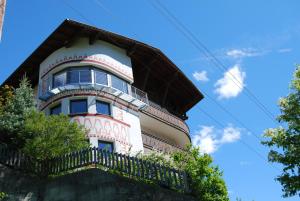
(14, 110)
(284, 141)
(47, 137)
(39, 136)
(6, 94)
(206, 179)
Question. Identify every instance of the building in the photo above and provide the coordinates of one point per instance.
(129, 95)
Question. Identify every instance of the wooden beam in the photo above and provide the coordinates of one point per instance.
(69, 42)
(131, 50)
(93, 38)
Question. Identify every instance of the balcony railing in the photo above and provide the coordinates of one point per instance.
(165, 115)
(159, 144)
(135, 96)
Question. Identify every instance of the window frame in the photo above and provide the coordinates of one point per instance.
(109, 108)
(107, 142)
(124, 82)
(103, 71)
(78, 100)
(79, 69)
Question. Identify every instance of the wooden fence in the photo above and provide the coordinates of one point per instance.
(129, 166)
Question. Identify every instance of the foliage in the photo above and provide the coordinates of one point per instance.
(51, 136)
(285, 141)
(6, 94)
(3, 195)
(206, 180)
(14, 110)
(38, 135)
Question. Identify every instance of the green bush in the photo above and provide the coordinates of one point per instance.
(39, 136)
(206, 180)
(47, 137)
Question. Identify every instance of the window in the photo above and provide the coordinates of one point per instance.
(100, 77)
(78, 106)
(118, 83)
(102, 108)
(55, 110)
(59, 80)
(108, 146)
(75, 76)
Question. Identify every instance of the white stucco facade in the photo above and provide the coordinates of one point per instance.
(122, 126)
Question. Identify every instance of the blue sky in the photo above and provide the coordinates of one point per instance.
(256, 41)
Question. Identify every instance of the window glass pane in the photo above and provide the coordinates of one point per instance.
(59, 80)
(73, 76)
(119, 84)
(78, 106)
(102, 108)
(85, 76)
(55, 110)
(100, 77)
(108, 146)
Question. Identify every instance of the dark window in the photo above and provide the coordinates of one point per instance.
(59, 80)
(100, 77)
(85, 76)
(108, 146)
(55, 110)
(78, 106)
(118, 83)
(75, 76)
(102, 108)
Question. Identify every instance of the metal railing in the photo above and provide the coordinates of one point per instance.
(132, 167)
(135, 96)
(139, 94)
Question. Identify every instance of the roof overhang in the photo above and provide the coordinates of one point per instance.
(153, 72)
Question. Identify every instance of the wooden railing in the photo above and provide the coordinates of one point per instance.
(132, 167)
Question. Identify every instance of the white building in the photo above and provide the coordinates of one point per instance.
(129, 95)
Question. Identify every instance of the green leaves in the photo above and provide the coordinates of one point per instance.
(206, 179)
(285, 141)
(40, 136)
(51, 136)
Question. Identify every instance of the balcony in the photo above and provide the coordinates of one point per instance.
(134, 96)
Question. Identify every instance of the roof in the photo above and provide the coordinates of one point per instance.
(153, 71)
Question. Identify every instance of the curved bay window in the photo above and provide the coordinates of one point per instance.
(79, 76)
(119, 84)
(100, 77)
(88, 75)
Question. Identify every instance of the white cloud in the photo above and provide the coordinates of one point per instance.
(284, 50)
(200, 76)
(209, 139)
(244, 52)
(205, 139)
(230, 134)
(232, 83)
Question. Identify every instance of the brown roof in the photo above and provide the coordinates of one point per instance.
(166, 84)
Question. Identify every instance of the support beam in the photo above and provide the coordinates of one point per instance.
(167, 86)
(131, 50)
(93, 38)
(146, 79)
(72, 39)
